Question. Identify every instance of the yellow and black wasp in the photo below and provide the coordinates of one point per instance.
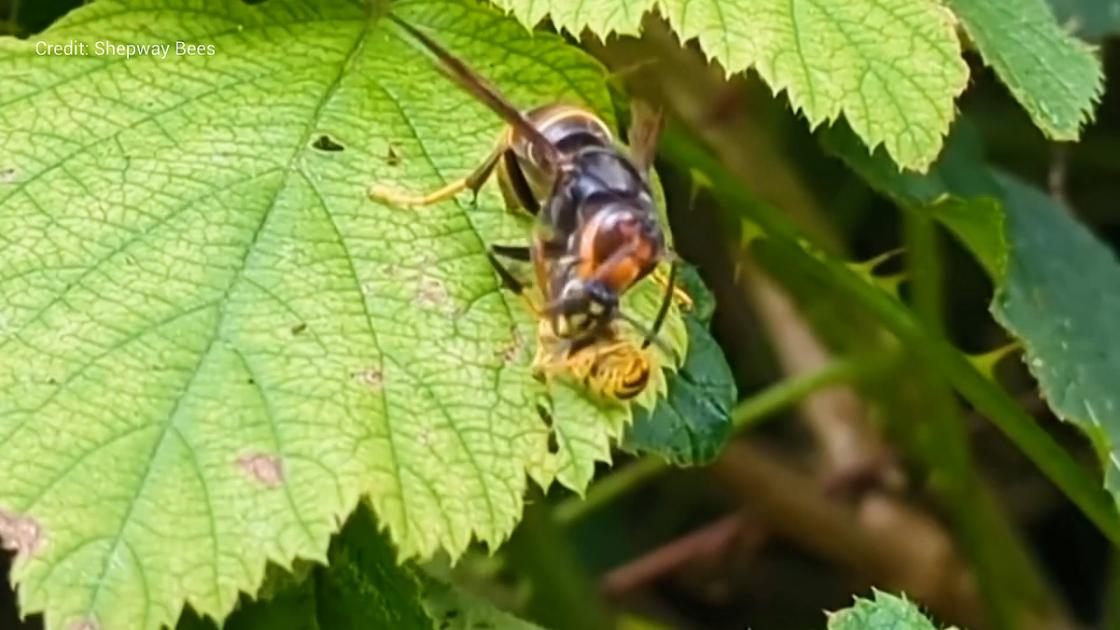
(596, 232)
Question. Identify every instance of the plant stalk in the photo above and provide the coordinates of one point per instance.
(987, 397)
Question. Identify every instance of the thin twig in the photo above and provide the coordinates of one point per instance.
(836, 416)
(895, 546)
(708, 541)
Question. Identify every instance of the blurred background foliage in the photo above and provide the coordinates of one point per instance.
(841, 489)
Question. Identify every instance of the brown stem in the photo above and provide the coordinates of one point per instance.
(707, 541)
(893, 545)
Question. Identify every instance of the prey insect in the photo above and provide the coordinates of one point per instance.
(612, 368)
(596, 232)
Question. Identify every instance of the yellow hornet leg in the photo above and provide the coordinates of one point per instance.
(474, 182)
(681, 297)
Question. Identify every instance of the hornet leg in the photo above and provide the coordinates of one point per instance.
(670, 286)
(510, 281)
(473, 181)
(683, 299)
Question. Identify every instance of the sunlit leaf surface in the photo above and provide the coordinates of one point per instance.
(212, 343)
(1053, 75)
(892, 67)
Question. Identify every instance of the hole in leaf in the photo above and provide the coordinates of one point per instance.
(7, 175)
(546, 417)
(324, 143)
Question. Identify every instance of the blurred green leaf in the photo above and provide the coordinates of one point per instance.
(884, 612)
(362, 586)
(802, 257)
(1053, 75)
(36, 15)
(954, 191)
(451, 608)
(693, 423)
(1091, 19)
(286, 602)
(703, 302)
(1061, 297)
(212, 343)
(1057, 285)
(903, 56)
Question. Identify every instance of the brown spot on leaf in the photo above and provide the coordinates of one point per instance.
(19, 533)
(392, 158)
(431, 292)
(265, 468)
(369, 376)
(299, 328)
(85, 624)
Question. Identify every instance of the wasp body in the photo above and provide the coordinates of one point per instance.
(596, 232)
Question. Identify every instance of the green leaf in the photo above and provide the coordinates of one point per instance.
(286, 602)
(1091, 19)
(1057, 286)
(802, 258)
(1053, 75)
(884, 612)
(892, 67)
(212, 344)
(963, 196)
(703, 301)
(362, 587)
(623, 17)
(453, 609)
(32, 17)
(1061, 297)
(692, 425)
